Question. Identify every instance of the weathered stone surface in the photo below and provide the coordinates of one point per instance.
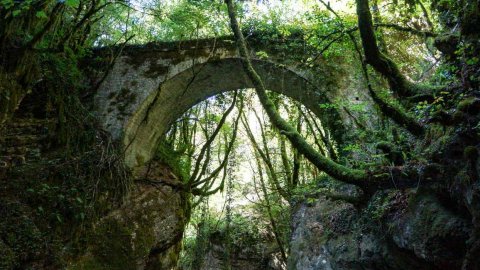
(248, 249)
(166, 259)
(22, 140)
(432, 233)
(145, 233)
(141, 233)
(313, 227)
(215, 260)
(334, 235)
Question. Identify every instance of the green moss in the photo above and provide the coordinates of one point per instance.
(458, 116)
(125, 239)
(466, 104)
(7, 257)
(88, 263)
(470, 152)
(172, 158)
(117, 245)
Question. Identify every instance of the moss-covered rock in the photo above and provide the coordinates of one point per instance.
(469, 105)
(7, 256)
(166, 259)
(432, 232)
(397, 230)
(21, 239)
(151, 222)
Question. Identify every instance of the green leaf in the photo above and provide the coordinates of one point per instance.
(262, 55)
(15, 13)
(6, 3)
(72, 3)
(41, 15)
(472, 61)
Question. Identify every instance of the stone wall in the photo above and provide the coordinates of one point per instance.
(23, 140)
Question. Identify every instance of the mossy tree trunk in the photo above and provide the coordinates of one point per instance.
(335, 170)
(380, 62)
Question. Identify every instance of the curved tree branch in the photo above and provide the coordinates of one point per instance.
(394, 113)
(335, 170)
(380, 62)
(206, 146)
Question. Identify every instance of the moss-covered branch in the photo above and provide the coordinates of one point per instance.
(394, 113)
(206, 146)
(337, 171)
(380, 62)
(397, 115)
(265, 155)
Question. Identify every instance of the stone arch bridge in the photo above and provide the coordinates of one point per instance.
(152, 85)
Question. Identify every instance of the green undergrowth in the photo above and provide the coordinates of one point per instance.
(60, 198)
(175, 159)
(79, 177)
(241, 235)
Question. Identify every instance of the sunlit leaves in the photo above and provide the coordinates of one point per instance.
(7, 4)
(41, 14)
(72, 3)
(262, 54)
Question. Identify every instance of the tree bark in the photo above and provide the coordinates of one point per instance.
(380, 62)
(335, 170)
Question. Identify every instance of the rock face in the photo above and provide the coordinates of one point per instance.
(215, 259)
(145, 233)
(36, 225)
(432, 233)
(242, 241)
(258, 253)
(397, 230)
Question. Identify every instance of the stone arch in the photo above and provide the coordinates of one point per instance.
(184, 90)
(149, 89)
